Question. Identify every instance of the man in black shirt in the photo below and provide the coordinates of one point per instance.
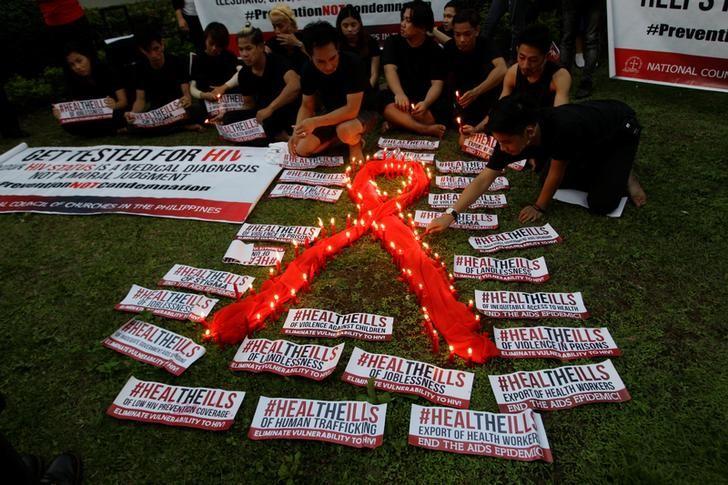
(414, 67)
(340, 82)
(214, 65)
(592, 147)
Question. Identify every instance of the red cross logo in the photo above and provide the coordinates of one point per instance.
(633, 65)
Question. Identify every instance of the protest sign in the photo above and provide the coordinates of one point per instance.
(579, 197)
(154, 345)
(524, 237)
(391, 143)
(561, 388)
(192, 407)
(466, 220)
(313, 192)
(285, 358)
(485, 201)
(276, 233)
(351, 423)
(250, 255)
(513, 269)
(165, 303)
(479, 145)
(515, 304)
(312, 322)
(461, 166)
(220, 184)
(565, 343)
(449, 387)
(403, 156)
(225, 104)
(518, 437)
(84, 110)
(287, 160)
(166, 115)
(207, 281)
(518, 166)
(455, 182)
(241, 131)
(314, 178)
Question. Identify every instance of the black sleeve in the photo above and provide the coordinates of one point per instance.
(373, 46)
(198, 70)
(181, 73)
(438, 67)
(390, 54)
(449, 54)
(308, 80)
(140, 78)
(499, 159)
(490, 51)
(359, 82)
(245, 87)
(178, 4)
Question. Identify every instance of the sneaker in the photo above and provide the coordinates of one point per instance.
(579, 60)
(65, 469)
(585, 89)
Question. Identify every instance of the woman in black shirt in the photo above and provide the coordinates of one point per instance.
(354, 39)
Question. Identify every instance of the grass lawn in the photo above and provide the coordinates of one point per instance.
(657, 278)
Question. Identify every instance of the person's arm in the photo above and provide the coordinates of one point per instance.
(186, 99)
(509, 82)
(287, 95)
(140, 101)
(196, 93)
(231, 83)
(433, 93)
(305, 111)
(177, 5)
(121, 101)
(345, 113)
(494, 78)
(400, 97)
(561, 82)
(553, 180)
(374, 71)
(439, 36)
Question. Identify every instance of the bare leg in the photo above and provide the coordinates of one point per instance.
(311, 145)
(636, 192)
(350, 133)
(406, 121)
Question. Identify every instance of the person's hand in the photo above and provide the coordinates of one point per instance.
(419, 109)
(292, 142)
(439, 224)
(529, 214)
(182, 23)
(217, 119)
(185, 101)
(468, 130)
(218, 91)
(467, 98)
(305, 127)
(208, 97)
(401, 101)
(288, 40)
(109, 101)
(56, 113)
(263, 114)
(129, 117)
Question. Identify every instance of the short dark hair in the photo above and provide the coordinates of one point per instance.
(218, 33)
(537, 36)
(146, 35)
(421, 14)
(319, 34)
(253, 33)
(361, 40)
(511, 115)
(467, 15)
(453, 4)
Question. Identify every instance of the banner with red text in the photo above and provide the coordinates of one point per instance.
(220, 184)
(485, 201)
(166, 115)
(466, 220)
(479, 145)
(513, 269)
(165, 303)
(312, 322)
(525, 237)
(565, 343)
(516, 304)
(451, 182)
(84, 110)
(207, 281)
(676, 42)
(351, 423)
(391, 143)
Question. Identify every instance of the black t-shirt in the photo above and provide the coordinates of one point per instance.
(210, 71)
(266, 87)
(162, 86)
(372, 50)
(538, 92)
(102, 82)
(295, 57)
(577, 133)
(349, 78)
(468, 69)
(416, 66)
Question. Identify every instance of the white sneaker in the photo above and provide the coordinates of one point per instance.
(579, 60)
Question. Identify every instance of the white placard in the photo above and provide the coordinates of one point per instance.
(276, 233)
(207, 281)
(564, 343)
(251, 255)
(241, 131)
(485, 201)
(466, 220)
(524, 237)
(312, 192)
(512, 269)
(165, 303)
(286, 358)
(314, 178)
(84, 110)
(391, 143)
(312, 322)
(450, 182)
(168, 114)
(516, 304)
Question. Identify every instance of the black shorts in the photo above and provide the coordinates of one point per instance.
(368, 120)
(440, 109)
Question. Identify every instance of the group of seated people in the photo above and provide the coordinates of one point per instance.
(320, 86)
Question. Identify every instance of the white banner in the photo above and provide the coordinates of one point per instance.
(250, 255)
(272, 232)
(286, 358)
(479, 145)
(191, 407)
(207, 281)
(225, 104)
(84, 110)
(352, 423)
(168, 114)
(312, 322)
(165, 303)
(457, 182)
(461, 166)
(242, 131)
(449, 387)
(513, 269)
(220, 184)
(312, 192)
(518, 437)
(524, 237)
(390, 143)
(561, 388)
(314, 178)
(485, 201)
(565, 343)
(516, 304)
(466, 220)
(154, 345)
(678, 43)
(403, 156)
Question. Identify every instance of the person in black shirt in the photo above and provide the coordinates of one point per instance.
(269, 85)
(414, 67)
(339, 81)
(445, 32)
(214, 65)
(355, 40)
(287, 41)
(592, 147)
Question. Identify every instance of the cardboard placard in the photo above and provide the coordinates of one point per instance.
(250, 255)
(466, 220)
(84, 110)
(485, 201)
(450, 182)
(225, 104)
(403, 156)
(206, 280)
(165, 303)
(168, 114)
(391, 143)
(525, 237)
(304, 163)
(480, 145)
(314, 178)
(513, 269)
(516, 304)
(564, 343)
(312, 322)
(241, 131)
(312, 192)
(464, 167)
(276, 233)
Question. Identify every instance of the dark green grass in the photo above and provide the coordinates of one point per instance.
(656, 278)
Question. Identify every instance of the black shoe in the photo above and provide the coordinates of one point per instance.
(65, 469)
(35, 466)
(585, 89)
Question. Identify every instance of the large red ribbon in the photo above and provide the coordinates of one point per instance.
(382, 216)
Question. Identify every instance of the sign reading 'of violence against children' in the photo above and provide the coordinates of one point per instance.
(524, 237)
(518, 437)
(565, 343)
(449, 387)
(165, 303)
(207, 280)
(312, 322)
(192, 407)
(286, 358)
(516, 304)
(561, 388)
(513, 269)
(485, 201)
(351, 423)
(154, 345)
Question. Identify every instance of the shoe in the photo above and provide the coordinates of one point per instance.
(65, 469)
(579, 60)
(585, 89)
(35, 466)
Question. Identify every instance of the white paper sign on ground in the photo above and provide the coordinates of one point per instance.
(524, 237)
(577, 197)
(192, 407)
(314, 178)
(449, 387)
(154, 345)
(564, 343)
(516, 304)
(450, 182)
(408, 144)
(513, 269)
(560, 388)
(165, 303)
(480, 145)
(461, 166)
(206, 280)
(403, 156)
(485, 201)
(466, 220)
(351, 423)
(171, 112)
(312, 192)
(84, 110)
(251, 255)
(518, 437)
(225, 104)
(312, 322)
(518, 166)
(241, 131)
(276, 233)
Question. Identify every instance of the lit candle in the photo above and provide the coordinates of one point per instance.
(348, 237)
(348, 221)
(451, 357)
(208, 334)
(321, 227)
(295, 248)
(333, 226)
(271, 272)
(470, 304)
(470, 356)
(435, 342)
